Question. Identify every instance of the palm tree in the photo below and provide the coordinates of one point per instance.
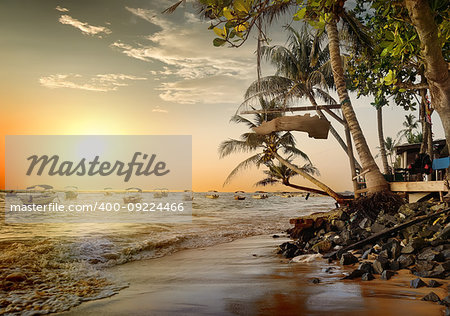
(267, 147)
(303, 70)
(375, 180)
(390, 145)
(411, 124)
(381, 140)
(281, 174)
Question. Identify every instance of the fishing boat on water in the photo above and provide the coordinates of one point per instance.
(238, 196)
(108, 191)
(160, 193)
(211, 195)
(260, 196)
(40, 194)
(188, 195)
(133, 195)
(71, 193)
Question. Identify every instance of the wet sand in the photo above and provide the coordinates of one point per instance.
(246, 277)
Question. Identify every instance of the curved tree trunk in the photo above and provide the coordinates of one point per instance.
(381, 140)
(308, 177)
(302, 188)
(436, 68)
(374, 179)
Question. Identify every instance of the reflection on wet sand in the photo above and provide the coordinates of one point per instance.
(245, 277)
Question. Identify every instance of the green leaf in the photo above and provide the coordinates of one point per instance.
(219, 42)
(300, 14)
(220, 32)
(241, 5)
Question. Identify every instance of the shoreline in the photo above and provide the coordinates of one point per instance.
(246, 276)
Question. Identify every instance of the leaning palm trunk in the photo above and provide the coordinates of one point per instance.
(308, 177)
(374, 179)
(381, 140)
(302, 188)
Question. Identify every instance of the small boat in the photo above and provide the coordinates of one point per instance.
(211, 195)
(108, 191)
(160, 193)
(260, 196)
(40, 194)
(132, 196)
(72, 193)
(239, 197)
(187, 196)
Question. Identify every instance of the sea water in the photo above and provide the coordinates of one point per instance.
(48, 267)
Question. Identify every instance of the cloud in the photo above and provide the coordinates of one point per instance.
(84, 27)
(61, 9)
(192, 65)
(158, 109)
(101, 82)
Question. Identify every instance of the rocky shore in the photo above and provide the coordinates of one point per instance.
(377, 243)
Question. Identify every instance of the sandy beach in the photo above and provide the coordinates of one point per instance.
(246, 277)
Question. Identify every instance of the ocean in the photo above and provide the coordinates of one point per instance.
(49, 267)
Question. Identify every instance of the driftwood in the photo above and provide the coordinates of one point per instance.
(382, 234)
(313, 125)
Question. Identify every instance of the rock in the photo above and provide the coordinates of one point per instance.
(423, 266)
(366, 267)
(431, 297)
(94, 261)
(434, 283)
(366, 254)
(384, 254)
(408, 249)
(414, 245)
(354, 274)
(340, 225)
(329, 270)
(405, 261)
(416, 283)
(380, 265)
(440, 270)
(275, 236)
(367, 277)
(348, 258)
(16, 277)
(396, 250)
(315, 281)
(406, 210)
(446, 301)
(394, 265)
(376, 228)
(322, 246)
(365, 223)
(387, 274)
(429, 254)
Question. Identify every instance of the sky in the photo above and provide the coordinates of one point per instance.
(104, 67)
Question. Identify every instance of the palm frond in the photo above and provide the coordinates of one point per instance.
(254, 160)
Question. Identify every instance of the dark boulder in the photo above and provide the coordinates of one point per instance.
(434, 283)
(379, 265)
(416, 283)
(387, 274)
(366, 267)
(446, 301)
(348, 258)
(432, 297)
(394, 265)
(354, 274)
(405, 261)
(367, 277)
